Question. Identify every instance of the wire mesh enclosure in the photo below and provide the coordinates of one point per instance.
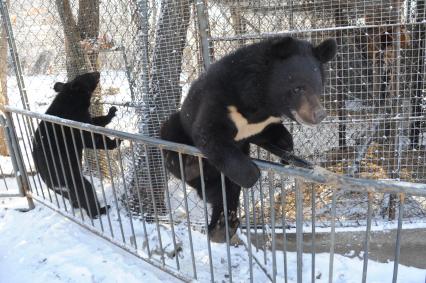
(149, 52)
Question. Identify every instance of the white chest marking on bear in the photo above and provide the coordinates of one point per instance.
(245, 129)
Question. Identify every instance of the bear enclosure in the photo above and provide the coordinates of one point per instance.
(149, 52)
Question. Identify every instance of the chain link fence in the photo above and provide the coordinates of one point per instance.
(149, 52)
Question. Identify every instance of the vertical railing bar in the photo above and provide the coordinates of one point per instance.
(284, 224)
(332, 237)
(299, 229)
(45, 158)
(185, 195)
(313, 204)
(14, 54)
(398, 237)
(367, 238)
(28, 159)
(248, 231)
(81, 178)
(253, 203)
(63, 171)
(4, 179)
(206, 218)
(98, 167)
(55, 167)
(86, 160)
(160, 242)
(272, 208)
(172, 226)
(72, 175)
(203, 28)
(114, 193)
(262, 216)
(225, 214)
(120, 163)
(139, 199)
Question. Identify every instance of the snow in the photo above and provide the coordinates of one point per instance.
(47, 247)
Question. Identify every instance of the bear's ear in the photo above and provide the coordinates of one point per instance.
(58, 87)
(326, 50)
(282, 47)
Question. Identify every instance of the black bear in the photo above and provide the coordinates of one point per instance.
(58, 155)
(242, 99)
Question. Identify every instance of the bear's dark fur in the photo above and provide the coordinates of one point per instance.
(56, 157)
(241, 99)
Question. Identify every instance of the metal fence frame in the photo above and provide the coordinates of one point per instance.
(318, 175)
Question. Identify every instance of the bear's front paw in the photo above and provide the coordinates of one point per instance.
(246, 176)
(112, 111)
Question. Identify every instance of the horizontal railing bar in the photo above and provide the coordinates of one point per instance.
(11, 195)
(162, 144)
(317, 175)
(319, 30)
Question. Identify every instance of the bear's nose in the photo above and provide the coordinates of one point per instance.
(319, 115)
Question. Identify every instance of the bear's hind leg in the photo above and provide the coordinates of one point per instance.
(217, 225)
(86, 195)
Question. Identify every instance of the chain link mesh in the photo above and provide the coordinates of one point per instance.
(149, 52)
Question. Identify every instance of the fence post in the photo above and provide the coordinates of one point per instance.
(203, 28)
(299, 228)
(16, 158)
(14, 53)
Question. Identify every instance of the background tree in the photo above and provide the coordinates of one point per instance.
(161, 90)
(81, 60)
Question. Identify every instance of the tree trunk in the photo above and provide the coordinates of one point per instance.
(79, 60)
(162, 95)
(3, 83)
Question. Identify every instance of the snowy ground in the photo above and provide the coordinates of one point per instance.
(47, 247)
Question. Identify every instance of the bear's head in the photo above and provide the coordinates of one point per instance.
(82, 85)
(297, 77)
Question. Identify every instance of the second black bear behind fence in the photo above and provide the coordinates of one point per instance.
(58, 154)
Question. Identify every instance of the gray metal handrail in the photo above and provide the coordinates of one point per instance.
(317, 175)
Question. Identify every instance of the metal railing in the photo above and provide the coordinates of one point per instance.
(172, 242)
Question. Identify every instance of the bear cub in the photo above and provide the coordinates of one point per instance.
(58, 153)
(241, 100)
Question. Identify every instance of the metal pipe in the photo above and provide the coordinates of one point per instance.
(185, 196)
(398, 237)
(206, 218)
(170, 207)
(332, 237)
(299, 229)
(203, 28)
(98, 167)
(367, 238)
(317, 175)
(225, 214)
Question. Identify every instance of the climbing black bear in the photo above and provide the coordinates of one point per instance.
(57, 158)
(242, 99)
